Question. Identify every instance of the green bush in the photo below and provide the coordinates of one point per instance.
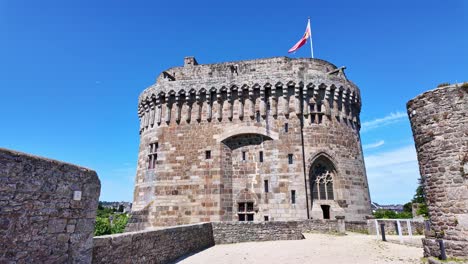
(443, 85)
(119, 223)
(464, 86)
(108, 221)
(389, 214)
(102, 226)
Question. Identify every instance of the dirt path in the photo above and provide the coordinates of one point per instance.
(316, 248)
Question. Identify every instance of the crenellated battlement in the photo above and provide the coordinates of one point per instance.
(245, 89)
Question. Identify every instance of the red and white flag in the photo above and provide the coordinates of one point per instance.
(303, 40)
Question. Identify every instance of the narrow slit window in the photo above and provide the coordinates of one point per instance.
(293, 196)
(208, 154)
(243, 155)
(258, 117)
(265, 186)
(290, 158)
(286, 127)
(260, 156)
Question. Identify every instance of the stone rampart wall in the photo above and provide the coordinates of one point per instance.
(439, 120)
(236, 232)
(358, 226)
(47, 210)
(153, 246)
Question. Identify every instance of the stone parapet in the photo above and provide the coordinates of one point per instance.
(216, 93)
(236, 232)
(47, 210)
(153, 246)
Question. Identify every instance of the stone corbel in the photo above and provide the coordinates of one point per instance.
(262, 102)
(251, 103)
(152, 112)
(297, 99)
(241, 103)
(188, 102)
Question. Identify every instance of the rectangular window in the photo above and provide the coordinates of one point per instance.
(246, 211)
(208, 154)
(152, 155)
(258, 117)
(293, 196)
(266, 218)
(290, 158)
(265, 185)
(286, 127)
(243, 155)
(260, 156)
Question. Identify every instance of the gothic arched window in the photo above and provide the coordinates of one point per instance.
(322, 180)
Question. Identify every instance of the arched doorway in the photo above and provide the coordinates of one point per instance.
(322, 174)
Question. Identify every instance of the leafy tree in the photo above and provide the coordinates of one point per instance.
(108, 221)
(118, 224)
(420, 198)
(102, 226)
(389, 214)
(408, 207)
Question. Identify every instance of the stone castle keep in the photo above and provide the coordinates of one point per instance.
(259, 140)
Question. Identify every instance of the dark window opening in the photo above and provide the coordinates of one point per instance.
(293, 196)
(249, 207)
(241, 207)
(243, 155)
(258, 116)
(266, 218)
(326, 211)
(265, 185)
(208, 154)
(260, 156)
(286, 128)
(246, 211)
(290, 158)
(152, 156)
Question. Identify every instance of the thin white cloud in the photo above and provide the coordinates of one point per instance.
(393, 175)
(383, 121)
(374, 145)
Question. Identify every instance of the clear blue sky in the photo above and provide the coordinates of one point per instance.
(71, 71)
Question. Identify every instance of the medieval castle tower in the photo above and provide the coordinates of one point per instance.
(258, 140)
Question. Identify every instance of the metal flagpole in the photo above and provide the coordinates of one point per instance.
(310, 36)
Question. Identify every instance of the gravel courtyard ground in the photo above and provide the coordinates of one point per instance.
(316, 248)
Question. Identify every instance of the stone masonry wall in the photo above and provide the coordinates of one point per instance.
(47, 210)
(439, 120)
(153, 246)
(236, 232)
